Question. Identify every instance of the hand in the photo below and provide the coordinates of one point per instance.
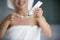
(38, 12)
(12, 17)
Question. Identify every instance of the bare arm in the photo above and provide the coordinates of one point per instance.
(45, 26)
(42, 22)
(6, 22)
(3, 27)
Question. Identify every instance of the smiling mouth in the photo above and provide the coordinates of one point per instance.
(21, 3)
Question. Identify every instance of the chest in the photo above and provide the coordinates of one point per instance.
(24, 21)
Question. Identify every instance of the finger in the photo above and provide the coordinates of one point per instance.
(13, 18)
(16, 15)
(39, 12)
(39, 9)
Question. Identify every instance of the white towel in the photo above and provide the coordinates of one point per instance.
(23, 32)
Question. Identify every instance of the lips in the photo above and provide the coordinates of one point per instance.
(20, 3)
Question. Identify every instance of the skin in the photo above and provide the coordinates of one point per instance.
(21, 9)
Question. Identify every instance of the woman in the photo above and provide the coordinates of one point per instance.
(27, 26)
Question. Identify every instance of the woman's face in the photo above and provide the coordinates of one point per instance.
(20, 3)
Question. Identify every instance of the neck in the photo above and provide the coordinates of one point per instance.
(23, 11)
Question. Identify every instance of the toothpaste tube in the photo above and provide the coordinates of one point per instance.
(38, 4)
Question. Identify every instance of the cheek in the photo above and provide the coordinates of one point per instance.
(16, 3)
(26, 1)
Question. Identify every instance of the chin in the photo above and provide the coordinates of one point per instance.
(22, 7)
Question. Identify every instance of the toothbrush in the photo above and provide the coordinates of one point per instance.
(30, 4)
(38, 4)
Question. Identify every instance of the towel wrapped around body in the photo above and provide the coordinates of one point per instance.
(23, 32)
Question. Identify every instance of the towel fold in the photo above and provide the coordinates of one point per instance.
(23, 32)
